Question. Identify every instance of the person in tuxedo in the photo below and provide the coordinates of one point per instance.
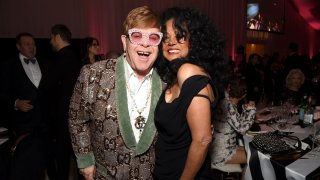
(24, 90)
(66, 69)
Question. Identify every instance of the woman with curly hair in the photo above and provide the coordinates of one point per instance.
(192, 55)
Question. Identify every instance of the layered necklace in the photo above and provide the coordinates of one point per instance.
(140, 120)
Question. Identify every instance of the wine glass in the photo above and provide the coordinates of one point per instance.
(292, 121)
(283, 116)
(315, 137)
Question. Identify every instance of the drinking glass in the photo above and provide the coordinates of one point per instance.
(282, 117)
(315, 137)
(292, 121)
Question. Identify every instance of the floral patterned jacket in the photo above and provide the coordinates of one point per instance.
(228, 123)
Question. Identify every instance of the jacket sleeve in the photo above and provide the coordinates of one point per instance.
(240, 122)
(79, 120)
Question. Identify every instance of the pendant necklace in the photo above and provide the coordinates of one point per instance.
(140, 121)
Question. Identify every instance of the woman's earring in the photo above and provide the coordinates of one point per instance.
(124, 53)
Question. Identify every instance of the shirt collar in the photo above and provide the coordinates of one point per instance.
(129, 73)
(21, 56)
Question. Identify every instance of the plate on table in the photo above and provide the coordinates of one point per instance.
(3, 140)
(264, 115)
(264, 118)
(3, 131)
(3, 135)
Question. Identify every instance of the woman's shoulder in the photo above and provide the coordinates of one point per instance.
(188, 70)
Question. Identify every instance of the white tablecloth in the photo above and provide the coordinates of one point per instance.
(297, 170)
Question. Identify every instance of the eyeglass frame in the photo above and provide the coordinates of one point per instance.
(181, 40)
(147, 34)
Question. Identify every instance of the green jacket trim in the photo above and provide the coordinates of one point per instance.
(85, 160)
(126, 131)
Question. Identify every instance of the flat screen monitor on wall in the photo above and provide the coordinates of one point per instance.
(265, 15)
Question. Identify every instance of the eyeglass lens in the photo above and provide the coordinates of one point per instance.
(136, 37)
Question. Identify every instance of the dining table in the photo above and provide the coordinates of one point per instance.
(304, 165)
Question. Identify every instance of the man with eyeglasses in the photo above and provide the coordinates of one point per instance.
(111, 110)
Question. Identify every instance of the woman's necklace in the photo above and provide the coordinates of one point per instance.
(140, 121)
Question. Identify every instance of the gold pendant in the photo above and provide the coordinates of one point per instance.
(140, 122)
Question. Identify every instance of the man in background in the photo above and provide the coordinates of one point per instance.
(66, 70)
(24, 90)
(294, 60)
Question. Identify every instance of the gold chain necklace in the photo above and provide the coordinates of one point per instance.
(140, 121)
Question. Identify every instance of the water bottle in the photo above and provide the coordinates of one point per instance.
(302, 107)
(308, 113)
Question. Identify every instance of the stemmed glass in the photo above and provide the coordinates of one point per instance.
(293, 119)
(315, 137)
(282, 117)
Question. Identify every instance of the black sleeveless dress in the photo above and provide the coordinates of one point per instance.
(174, 136)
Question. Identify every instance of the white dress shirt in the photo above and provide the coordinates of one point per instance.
(140, 91)
(32, 70)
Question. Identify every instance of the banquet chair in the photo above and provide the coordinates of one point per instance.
(229, 171)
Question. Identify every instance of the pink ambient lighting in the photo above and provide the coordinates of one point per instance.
(309, 10)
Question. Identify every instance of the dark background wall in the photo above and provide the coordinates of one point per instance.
(103, 19)
(44, 50)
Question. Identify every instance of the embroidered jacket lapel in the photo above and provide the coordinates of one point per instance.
(122, 106)
(123, 113)
(149, 130)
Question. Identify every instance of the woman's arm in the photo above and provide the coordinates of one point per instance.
(199, 121)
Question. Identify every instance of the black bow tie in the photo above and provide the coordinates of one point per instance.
(26, 60)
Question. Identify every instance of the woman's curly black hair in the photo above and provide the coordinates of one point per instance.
(206, 46)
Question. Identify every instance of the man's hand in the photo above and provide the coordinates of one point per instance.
(88, 172)
(23, 105)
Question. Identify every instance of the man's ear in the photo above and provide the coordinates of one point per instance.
(58, 37)
(18, 46)
(124, 42)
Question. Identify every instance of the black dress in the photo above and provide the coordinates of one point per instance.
(174, 137)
